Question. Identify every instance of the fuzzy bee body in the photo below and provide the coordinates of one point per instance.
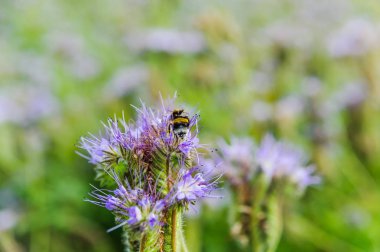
(179, 123)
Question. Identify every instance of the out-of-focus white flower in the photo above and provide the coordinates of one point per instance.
(281, 160)
(228, 52)
(352, 94)
(288, 34)
(261, 111)
(125, 80)
(261, 82)
(165, 40)
(321, 15)
(289, 108)
(23, 104)
(356, 38)
(84, 66)
(65, 43)
(73, 49)
(8, 219)
(349, 95)
(311, 86)
(34, 68)
(356, 216)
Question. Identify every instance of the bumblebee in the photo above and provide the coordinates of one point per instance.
(179, 123)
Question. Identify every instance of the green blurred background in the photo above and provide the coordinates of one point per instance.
(306, 70)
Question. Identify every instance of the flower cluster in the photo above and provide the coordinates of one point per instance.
(153, 169)
(142, 209)
(132, 206)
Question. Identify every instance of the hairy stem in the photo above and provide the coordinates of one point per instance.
(174, 230)
(142, 242)
(183, 246)
(168, 172)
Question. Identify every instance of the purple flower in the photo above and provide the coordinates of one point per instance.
(134, 214)
(236, 160)
(139, 152)
(153, 220)
(144, 138)
(356, 38)
(281, 160)
(305, 177)
(112, 203)
(188, 144)
(240, 161)
(192, 185)
(131, 207)
(168, 41)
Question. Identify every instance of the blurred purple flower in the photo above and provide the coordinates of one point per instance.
(165, 40)
(356, 38)
(281, 160)
(72, 48)
(351, 94)
(304, 177)
(261, 111)
(240, 161)
(26, 103)
(288, 34)
(8, 218)
(126, 80)
(236, 160)
(289, 107)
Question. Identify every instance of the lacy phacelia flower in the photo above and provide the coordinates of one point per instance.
(151, 133)
(192, 185)
(357, 38)
(154, 171)
(238, 154)
(281, 160)
(241, 160)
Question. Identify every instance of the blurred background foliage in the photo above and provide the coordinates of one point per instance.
(306, 70)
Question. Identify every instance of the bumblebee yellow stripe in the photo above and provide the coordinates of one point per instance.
(181, 120)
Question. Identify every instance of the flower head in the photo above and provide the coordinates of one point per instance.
(281, 160)
(242, 160)
(151, 168)
(143, 138)
(134, 207)
(236, 160)
(356, 38)
(192, 185)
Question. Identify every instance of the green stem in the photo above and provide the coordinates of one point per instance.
(168, 172)
(142, 242)
(258, 197)
(183, 246)
(174, 230)
(126, 241)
